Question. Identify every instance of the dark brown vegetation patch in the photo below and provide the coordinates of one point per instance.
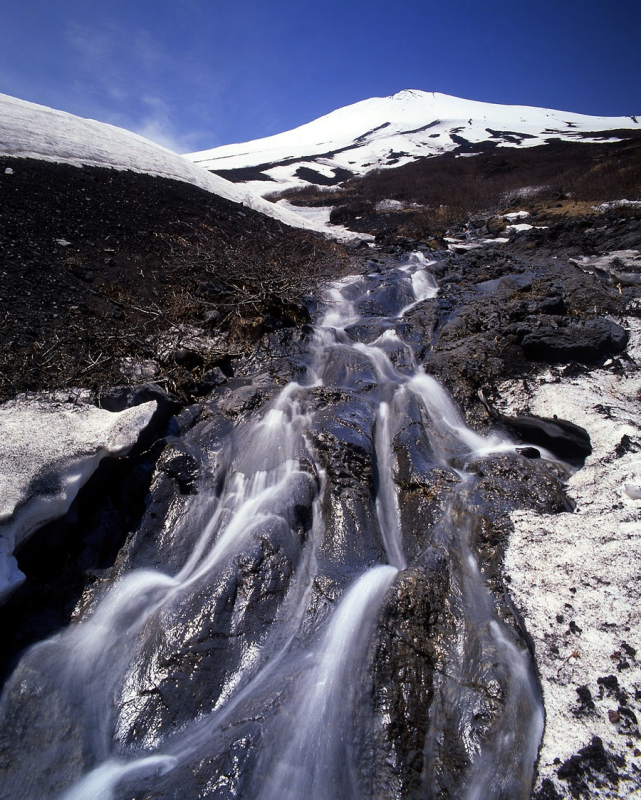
(97, 264)
(585, 171)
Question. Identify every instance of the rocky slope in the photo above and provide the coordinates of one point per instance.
(157, 284)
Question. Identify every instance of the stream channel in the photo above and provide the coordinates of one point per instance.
(312, 621)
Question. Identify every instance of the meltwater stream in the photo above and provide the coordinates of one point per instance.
(234, 651)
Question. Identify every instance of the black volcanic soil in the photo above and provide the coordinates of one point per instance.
(96, 263)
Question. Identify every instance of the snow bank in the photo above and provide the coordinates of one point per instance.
(619, 267)
(619, 204)
(319, 217)
(48, 451)
(519, 226)
(28, 130)
(575, 577)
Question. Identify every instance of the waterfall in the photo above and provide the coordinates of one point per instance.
(316, 760)
(230, 652)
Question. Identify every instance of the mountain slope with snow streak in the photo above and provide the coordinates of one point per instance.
(390, 131)
(30, 130)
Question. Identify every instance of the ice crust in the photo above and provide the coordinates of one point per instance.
(583, 568)
(48, 450)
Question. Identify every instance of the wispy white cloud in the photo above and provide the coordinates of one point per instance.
(126, 78)
(115, 57)
(158, 126)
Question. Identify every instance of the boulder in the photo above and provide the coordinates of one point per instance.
(589, 342)
(565, 439)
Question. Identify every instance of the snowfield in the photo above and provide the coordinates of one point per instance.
(390, 131)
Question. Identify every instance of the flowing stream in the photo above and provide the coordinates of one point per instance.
(233, 652)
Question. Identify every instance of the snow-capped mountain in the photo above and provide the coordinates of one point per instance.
(30, 130)
(391, 131)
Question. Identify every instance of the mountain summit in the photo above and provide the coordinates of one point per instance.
(392, 131)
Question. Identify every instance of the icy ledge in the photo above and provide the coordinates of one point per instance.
(48, 451)
(575, 579)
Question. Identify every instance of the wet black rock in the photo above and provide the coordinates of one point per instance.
(586, 703)
(547, 791)
(182, 467)
(210, 379)
(553, 305)
(407, 652)
(626, 445)
(565, 439)
(343, 440)
(590, 343)
(529, 452)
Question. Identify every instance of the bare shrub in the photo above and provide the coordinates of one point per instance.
(309, 196)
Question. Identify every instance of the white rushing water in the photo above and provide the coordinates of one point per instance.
(316, 761)
(300, 675)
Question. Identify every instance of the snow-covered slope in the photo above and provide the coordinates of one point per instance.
(33, 131)
(390, 131)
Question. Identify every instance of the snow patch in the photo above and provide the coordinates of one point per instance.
(575, 577)
(48, 451)
(619, 204)
(619, 266)
(520, 226)
(319, 217)
(462, 245)
(389, 205)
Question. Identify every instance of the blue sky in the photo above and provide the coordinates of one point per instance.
(193, 74)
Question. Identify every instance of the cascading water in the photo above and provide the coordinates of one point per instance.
(231, 654)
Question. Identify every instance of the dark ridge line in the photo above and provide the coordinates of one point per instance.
(499, 134)
(364, 136)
